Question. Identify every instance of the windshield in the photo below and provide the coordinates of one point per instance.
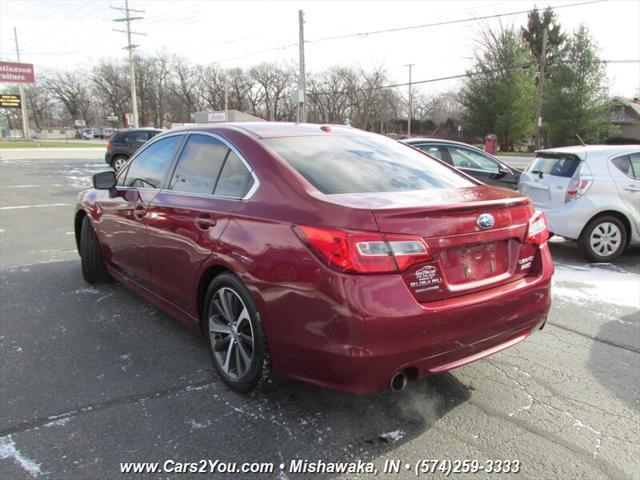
(363, 164)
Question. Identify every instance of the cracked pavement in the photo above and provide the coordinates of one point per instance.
(94, 376)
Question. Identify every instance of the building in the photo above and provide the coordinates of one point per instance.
(626, 116)
(225, 116)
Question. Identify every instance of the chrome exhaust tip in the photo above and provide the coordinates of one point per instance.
(398, 382)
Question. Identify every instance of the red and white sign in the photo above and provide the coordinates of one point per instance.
(11, 72)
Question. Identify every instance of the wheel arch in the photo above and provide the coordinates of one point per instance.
(207, 276)
(77, 224)
(612, 213)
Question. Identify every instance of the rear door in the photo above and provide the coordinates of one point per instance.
(625, 171)
(123, 218)
(435, 150)
(547, 178)
(187, 218)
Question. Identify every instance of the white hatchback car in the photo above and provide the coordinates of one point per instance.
(590, 194)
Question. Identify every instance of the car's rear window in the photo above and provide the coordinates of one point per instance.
(558, 165)
(363, 163)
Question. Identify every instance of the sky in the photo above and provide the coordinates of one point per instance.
(75, 34)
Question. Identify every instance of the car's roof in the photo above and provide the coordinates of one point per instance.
(141, 129)
(434, 140)
(275, 129)
(582, 151)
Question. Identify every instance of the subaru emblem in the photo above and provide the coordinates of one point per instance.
(485, 221)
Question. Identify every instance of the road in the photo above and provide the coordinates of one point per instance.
(95, 376)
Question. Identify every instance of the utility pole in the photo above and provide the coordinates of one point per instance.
(131, 47)
(302, 116)
(543, 61)
(23, 99)
(410, 101)
(226, 97)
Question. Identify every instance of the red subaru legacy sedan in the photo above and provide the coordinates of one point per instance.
(321, 253)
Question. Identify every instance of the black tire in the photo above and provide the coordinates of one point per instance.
(613, 243)
(93, 269)
(118, 160)
(258, 375)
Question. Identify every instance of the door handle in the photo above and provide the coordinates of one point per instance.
(632, 188)
(205, 222)
(139, 212)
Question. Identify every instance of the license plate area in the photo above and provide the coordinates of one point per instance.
(472, 263)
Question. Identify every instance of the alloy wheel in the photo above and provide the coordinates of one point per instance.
(605, 239)
(231, 333)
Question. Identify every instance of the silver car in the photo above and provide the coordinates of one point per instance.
(590, 194)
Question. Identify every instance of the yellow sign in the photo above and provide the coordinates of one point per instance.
(9, 101)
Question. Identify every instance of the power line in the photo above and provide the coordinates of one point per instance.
(446, 22)
(398, 29)
(463, 75)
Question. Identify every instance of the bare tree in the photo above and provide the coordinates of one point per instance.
(71, 89)
(275, 83)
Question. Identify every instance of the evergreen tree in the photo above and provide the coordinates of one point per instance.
(534, 32)
(576, 97)
(499, 95)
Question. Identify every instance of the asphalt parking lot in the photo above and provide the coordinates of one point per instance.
(94, 376)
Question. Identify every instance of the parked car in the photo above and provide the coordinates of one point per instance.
(86, 134)
(590, 194)
(471, 160)
(124, 143)
(102, 132)
(321, 253)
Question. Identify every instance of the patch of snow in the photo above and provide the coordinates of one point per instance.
(89, 290)
(392, 437)
(58, 423)
(8, 450)
(597, 284)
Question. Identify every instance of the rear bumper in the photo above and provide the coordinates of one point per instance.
(357, 349)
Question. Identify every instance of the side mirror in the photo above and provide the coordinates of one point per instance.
(503, 172)
(104, 180)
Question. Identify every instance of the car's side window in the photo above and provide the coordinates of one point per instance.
(433, 150)
(199, 165)
(235, 180)
(465, 158)
(121, 176)
(635, 165)
(149, 168)
(623, 164)
(137, 138)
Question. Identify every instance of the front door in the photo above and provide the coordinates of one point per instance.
(482, 167)
(122, 222)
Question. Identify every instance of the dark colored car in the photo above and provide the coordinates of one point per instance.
(471, 160)
(321, 253)
(124, 143)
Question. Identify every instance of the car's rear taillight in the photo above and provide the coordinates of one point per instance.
(364, 252)
(538, 230)
(109, 146)
(579, 184)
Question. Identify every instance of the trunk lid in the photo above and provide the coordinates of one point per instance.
(466, 256)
